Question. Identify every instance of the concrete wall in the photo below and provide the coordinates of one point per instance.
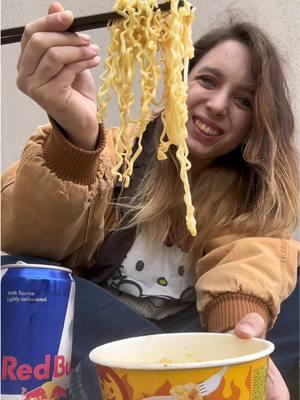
(20, 116)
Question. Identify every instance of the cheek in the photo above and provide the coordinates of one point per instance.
(194, 94)
(189, 101)
(242, 123)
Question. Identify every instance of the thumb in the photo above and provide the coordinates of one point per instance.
(55, 7)
(65, 18)
(251, 325)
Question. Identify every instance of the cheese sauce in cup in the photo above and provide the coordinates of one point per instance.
(183, 366)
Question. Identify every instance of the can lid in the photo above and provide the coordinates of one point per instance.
(22, 264)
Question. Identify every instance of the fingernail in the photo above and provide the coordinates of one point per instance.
(65, 16)
(247, 329)
(95, 47)
(84, 37)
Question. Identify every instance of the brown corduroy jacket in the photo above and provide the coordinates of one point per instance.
(56, 205)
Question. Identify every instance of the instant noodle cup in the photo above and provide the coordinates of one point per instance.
(183, 366)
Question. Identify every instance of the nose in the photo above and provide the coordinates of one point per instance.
(218, 103)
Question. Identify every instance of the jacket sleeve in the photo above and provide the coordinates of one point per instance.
(238, 275)
(55, 199)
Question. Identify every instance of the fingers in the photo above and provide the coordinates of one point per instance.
(252, 325)
(276, 387)
(55, 7)
(59, 57)
(63, 79)
(47, 49)
(53, 70)
(40, 43)
(56, 60)
(56, 22)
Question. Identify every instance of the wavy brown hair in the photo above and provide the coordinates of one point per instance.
(254, 189)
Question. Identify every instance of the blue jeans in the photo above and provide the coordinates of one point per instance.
(101, 318)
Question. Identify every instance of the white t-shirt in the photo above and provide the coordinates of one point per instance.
(155, 281)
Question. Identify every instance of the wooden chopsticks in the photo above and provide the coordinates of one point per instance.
(13, 35)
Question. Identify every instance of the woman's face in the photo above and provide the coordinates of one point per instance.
(219, 101)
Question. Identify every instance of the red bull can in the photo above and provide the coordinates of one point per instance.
(37, 310)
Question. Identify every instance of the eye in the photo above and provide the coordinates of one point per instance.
(206, 81)
(243, 102)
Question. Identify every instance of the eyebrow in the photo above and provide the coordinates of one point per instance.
(250, 87)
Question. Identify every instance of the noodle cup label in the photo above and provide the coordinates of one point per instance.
(183, 366)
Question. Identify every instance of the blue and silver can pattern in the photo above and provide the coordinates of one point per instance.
(37, 310)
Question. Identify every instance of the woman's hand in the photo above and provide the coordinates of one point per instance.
(253, 325)
(53, 69)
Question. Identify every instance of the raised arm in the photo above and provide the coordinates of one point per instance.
(56, 198)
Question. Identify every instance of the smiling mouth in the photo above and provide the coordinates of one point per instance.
(208, 130)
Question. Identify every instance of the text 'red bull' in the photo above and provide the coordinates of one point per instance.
(36, 363)
(13, 371)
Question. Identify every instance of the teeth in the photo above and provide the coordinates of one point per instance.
(207, 129)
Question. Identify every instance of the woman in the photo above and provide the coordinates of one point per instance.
(243, 181)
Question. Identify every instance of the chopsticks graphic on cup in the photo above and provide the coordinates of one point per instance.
(13, 35)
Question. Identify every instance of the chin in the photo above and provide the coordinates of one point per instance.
(197, 150)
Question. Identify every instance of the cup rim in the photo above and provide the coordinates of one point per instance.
(186, 365)
(22, 265)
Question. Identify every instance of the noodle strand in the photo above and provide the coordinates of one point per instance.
(154, 43)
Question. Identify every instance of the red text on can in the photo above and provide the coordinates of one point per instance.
(23, 372)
